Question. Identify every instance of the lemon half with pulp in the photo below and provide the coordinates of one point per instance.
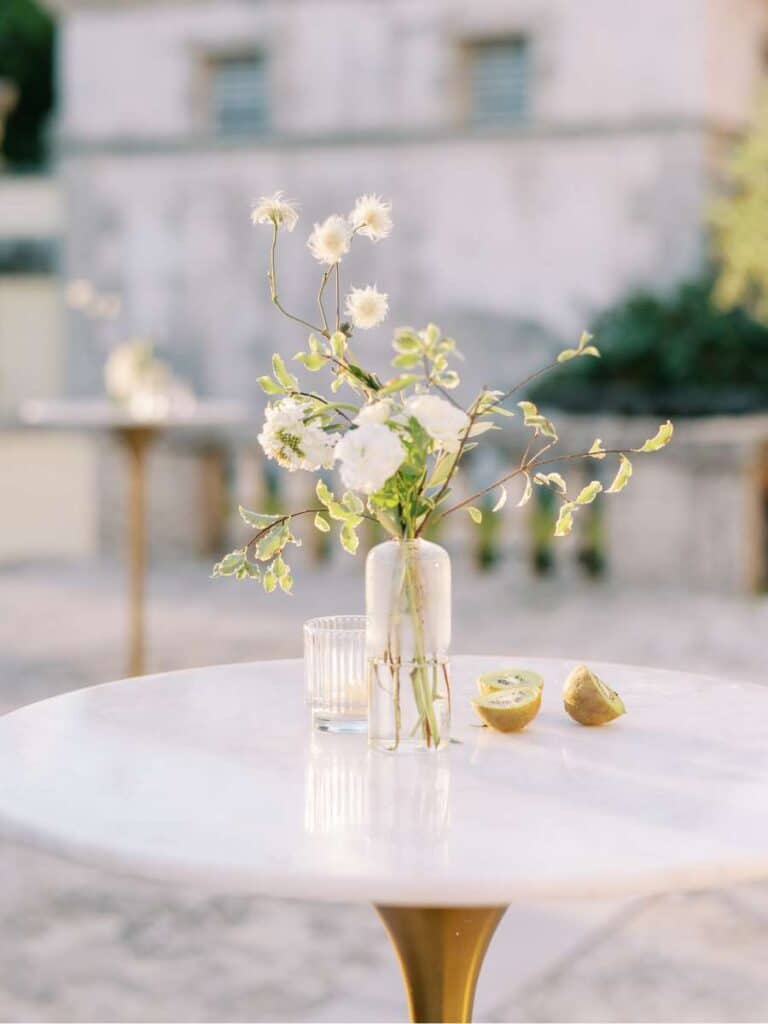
(493, 682)
(510, 709)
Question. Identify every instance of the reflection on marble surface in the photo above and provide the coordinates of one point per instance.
(210, 774)
(354, 791)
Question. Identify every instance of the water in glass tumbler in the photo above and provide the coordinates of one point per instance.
(334, 666)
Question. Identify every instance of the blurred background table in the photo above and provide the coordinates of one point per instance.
(213, 776)
(135, 436)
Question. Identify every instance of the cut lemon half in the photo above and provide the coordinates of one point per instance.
(510, 709)
(492, 682)
(588, 700)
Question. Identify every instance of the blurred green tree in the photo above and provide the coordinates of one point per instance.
(740, 225)
(704, 347)
(26, 58)
(679, 354)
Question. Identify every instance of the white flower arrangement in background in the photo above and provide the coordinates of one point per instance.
(399, 443)
(145, 385)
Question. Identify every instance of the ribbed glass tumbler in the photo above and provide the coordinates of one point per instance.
(334, 666)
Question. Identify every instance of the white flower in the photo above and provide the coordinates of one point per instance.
(375, 412)
(444, 423)
(369, 456)
(291, 442)
(371, 217)
(275, 210)
(330, 240)
(366, 307)
(127, 368)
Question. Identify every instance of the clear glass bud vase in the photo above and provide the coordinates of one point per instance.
(408, 604)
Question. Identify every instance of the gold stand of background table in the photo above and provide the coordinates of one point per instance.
(441, 951)
(136, 441)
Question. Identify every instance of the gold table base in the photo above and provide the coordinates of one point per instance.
(441, 951)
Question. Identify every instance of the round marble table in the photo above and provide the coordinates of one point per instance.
(135, 434)
(214, 774)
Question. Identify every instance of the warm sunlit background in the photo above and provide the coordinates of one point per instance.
(554, 165)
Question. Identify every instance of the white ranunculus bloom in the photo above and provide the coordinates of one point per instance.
(374, 412)
(444, 423)
(369, 456)
(367, 307)
(291, 442)
(277, 210)
(371, 217)
(126, 368)
(330, 240)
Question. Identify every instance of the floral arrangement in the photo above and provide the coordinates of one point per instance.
(398, 443)
(146, 386)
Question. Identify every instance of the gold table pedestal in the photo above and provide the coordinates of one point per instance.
(136, 442)
(441, 951)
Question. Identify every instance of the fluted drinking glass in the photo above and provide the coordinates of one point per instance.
(334, 666)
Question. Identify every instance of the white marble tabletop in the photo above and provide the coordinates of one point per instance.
(100, 413)
(214, 775)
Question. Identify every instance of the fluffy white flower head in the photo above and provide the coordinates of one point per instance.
(277, 210)
(127, 368)
(367, 307)
(374, 412)
(371, 217)
(444, 423)
(291, 442)
(330, 240)
(369, 456)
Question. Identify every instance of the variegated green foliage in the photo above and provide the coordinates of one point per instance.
(424, 426)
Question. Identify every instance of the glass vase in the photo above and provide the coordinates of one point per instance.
(408, 605)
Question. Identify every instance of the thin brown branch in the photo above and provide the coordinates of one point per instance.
(272, 276)
(525, 468)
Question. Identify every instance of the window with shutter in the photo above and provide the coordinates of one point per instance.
(240, 95)
(499, 82)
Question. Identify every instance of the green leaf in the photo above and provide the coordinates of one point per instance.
(449, 380)
(313, 361)
(588, 494)
(406, 360)
(406, 340)
(621, 479)
(353, 503)
(349, 539)
(269, 582)
(272, 543)
(475, 514)
(597, 451)
(564, 523)
(526, 496)
(441, 470)
(269, 387)
(338, 344)
(229, 563)
(279, 568)
(257, 519)
(387, 522)
(529, 409)
(322, 492)
(566, 354)
(551, 480)
(321, 523)
(398, 384)
(282, 375)
(482, 428)
(286, 583)
(660, 440)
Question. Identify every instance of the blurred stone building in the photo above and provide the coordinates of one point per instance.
(542, 155)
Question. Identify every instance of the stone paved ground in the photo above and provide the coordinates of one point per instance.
(80, 944)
